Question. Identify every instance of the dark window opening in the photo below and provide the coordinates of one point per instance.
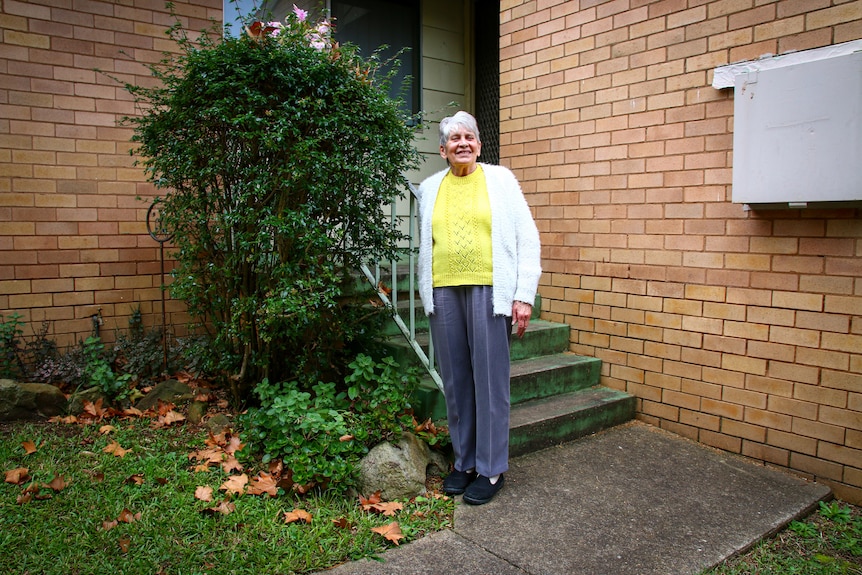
(487, 29)
(370, 24)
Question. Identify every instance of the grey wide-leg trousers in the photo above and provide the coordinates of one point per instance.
(471, 345)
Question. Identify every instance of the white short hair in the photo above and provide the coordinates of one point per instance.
(460, 119)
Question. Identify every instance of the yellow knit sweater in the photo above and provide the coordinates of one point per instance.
(461, 230)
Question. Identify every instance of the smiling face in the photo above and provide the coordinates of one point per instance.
(461, 150)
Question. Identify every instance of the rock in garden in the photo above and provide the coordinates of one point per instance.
(169, 391)
(218, 423)
(30, 400)
(91, 394)
(396, 470)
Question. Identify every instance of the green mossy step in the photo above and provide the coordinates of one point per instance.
(544, 376)
(553, 420)
(541, 338)
(531, 379)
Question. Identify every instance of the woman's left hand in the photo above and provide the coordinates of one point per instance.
(521, 313)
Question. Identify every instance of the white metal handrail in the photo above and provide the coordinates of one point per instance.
(390, 298)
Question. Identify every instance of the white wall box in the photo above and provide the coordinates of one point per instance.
(797, 138)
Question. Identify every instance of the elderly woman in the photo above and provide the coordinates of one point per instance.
(479, 268)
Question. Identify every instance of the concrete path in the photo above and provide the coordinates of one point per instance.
(633, 500)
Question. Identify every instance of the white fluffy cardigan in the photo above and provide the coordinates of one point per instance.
(514, 240)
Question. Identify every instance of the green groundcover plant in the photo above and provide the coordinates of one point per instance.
(278, 152)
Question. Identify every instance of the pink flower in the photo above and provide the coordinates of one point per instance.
(301, 14)
(273, 28)
(324, 28)
(259, 29)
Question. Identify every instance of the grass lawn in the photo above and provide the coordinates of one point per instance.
(829, 542)
(128, 496)
(128, 499)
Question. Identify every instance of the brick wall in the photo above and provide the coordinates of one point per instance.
(739, 329)
(73, 235)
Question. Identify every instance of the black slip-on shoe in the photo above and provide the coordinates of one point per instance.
(457, 481)
(482, 490)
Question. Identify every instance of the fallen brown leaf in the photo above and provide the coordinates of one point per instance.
(115, 448)
(343, 523)
(371, 500)
(297, 515)
(59, 483)
(389, 508)
(231, 464)
(136, 479)
(63, 419)
(18, 475)
(236, 484)
(263, 483)
(29, 447)
(124, 543)
(225, 508)
(204, 493)
(392, 532)
(170, 418)
(133, 412)
(127, 516)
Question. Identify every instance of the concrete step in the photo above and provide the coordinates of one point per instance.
(541, 338)
(530, 379)
(542, 423)
(548, 375)
(402, 304)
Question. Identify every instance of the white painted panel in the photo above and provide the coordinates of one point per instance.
(443, 45)
(798, 133)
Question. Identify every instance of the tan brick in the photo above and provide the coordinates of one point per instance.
(843, 418)
(817, 430)
(794, 407)
(699, 420)
(721, 441)
(768, 420)
(744, 364)
(835, 15)
(826, 359)
(26, 301)
(722, 408)
(818, 467)
(791, 441)
(766, 453)
(842, 342)
(660, 410)
(820, 395)
(745, 397)
(682, 400)
(839, 453)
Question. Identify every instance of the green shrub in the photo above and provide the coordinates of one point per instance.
(320, 435)
(279, 155)
(99, 372)
(10, 346)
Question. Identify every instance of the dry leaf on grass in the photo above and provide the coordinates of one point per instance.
(204, 493)
(235, 484)
(225, 508)
(297, 515)
(391, 532)
(18, 475)
(59, 483)
(263, 483)
(115, 448)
